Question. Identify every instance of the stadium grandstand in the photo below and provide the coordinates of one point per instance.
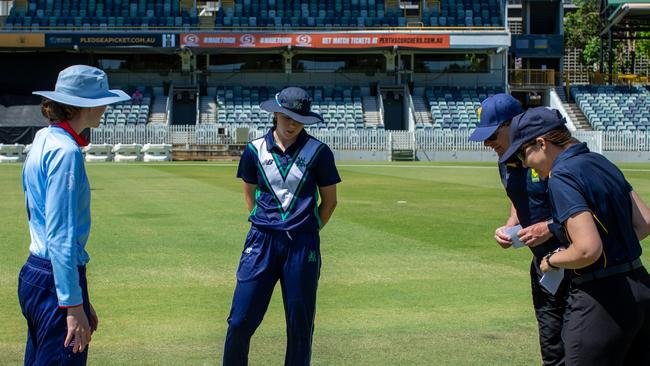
(394, 79)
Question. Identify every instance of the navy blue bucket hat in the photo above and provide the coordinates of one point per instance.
(530, 125)
(295, 103)
(495, 111)
(83, 86)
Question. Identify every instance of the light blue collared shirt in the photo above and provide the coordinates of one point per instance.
(57, 195)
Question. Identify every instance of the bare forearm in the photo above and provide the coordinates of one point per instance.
(587, 246)
(640, 216)
(512, 220)
(327, 203)
(250, 204)
(573, 258)
(325, 211)
(249, 195)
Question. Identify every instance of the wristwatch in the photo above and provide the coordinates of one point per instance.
(547, 258)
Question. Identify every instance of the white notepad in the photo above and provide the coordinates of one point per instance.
(551, 280)
(516, 243)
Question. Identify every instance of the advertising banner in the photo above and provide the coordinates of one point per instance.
(314, 40)
(67, 40)
(12, 40)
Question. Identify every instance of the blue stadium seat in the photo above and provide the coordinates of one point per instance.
(455, 108)
(102, 13)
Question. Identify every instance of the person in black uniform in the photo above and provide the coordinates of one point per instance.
(530, 209)
(608, 317)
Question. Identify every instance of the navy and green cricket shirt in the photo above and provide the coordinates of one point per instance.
(581, 181)
(287, 182)
(528, 192)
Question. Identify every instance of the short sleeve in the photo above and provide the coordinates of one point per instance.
(325, 168)
(247, 169)
(628, 186)
(566, 196)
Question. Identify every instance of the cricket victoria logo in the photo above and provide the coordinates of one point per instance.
(191, 40)
(303, 40)
(247, 40)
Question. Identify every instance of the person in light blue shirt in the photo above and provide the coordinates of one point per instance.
(52, 287)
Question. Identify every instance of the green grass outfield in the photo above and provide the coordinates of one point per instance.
(415, 283)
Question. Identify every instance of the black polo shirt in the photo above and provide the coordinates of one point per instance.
(528, 192)
(581, 181)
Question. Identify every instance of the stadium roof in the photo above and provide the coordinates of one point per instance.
(632, 14)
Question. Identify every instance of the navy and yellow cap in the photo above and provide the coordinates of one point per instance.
(530, 125)
(495, 111)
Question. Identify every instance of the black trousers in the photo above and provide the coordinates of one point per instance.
(549, 311)
(608, 321)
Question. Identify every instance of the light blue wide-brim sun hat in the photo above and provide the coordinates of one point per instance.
(83, 86)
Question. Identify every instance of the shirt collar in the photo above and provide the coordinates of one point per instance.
(574, 150)
(80, 140)
(270, 141)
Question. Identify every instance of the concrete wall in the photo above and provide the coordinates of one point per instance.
(358, 155)
(458, 156)
(628, 157)
(472, 156)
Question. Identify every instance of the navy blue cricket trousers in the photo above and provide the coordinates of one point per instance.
(608, 321)
(550, 311)
(46, 323)
(269, 256)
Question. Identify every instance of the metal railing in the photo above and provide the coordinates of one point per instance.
(531, 77)
(349, 139)
(244, 29)
(169, 106)
(599, 78)
(380, 104)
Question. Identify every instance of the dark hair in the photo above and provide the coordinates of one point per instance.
(275, 120)
(58, 112)
(560, 137)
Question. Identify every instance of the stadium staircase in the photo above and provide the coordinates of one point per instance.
(158, 113)
(575, 114)
(402, 147)
(21, 5)
(392, 7)
(206, 22)
(208, 109)
(228, 4)
(432, 5)
(371, 112)
(187, 5)
(422, 113)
